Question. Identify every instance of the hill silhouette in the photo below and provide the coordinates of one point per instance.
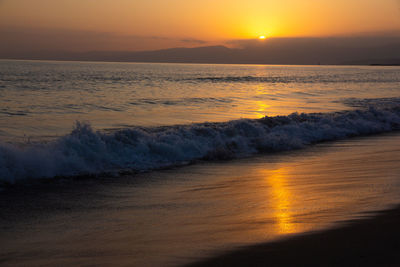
(361, 50)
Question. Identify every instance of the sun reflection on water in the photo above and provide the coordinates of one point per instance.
(262, 108)
(281, 201)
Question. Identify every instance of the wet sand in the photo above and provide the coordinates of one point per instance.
(188, 214)
(369, 242)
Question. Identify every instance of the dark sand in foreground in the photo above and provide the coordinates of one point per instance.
(369, 242)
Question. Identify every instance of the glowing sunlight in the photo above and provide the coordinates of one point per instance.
(281, 201)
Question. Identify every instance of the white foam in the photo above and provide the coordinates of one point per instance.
(85, 151)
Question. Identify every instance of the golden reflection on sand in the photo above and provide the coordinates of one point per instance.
(281, 200)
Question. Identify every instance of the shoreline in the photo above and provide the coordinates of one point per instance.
(182, 215)
(372, 241)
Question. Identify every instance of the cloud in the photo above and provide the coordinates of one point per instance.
(243, 43)
(193, 41)
(16, 39)
(371, 39)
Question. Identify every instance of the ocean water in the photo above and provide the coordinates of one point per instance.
(165, 164)
(79, 118)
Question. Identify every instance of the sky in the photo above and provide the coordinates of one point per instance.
(155, 24)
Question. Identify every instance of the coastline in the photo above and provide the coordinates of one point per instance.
(368, 242)
(181, 215)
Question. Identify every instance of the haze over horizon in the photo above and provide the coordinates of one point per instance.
(31, 29)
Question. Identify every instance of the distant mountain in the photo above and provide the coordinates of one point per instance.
(207, 54)
(272, 51)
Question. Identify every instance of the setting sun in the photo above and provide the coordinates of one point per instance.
(262, 37)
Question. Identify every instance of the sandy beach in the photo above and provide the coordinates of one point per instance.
(369, 242)
(188, 214)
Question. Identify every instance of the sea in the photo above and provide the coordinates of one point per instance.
(152, 164)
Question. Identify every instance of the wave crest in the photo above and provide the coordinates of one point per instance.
(85, 151)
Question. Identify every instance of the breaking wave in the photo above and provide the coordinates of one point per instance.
(85, 151)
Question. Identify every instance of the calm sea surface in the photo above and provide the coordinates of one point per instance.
(41, 100)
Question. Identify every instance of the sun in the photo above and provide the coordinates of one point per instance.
(262, 37)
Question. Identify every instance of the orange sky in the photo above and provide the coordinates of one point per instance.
(210, 21)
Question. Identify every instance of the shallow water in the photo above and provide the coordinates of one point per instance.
(42, 100)
(175, 216)
(124, 105)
